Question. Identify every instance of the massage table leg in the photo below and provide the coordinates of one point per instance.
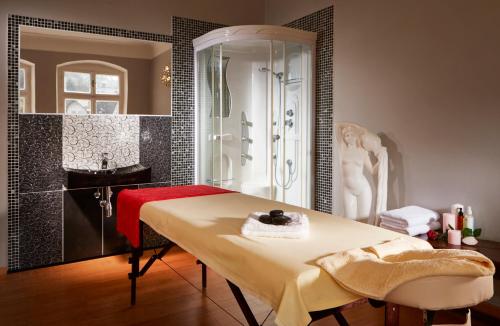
(136, 271)
(134, 274)
(134, 262)
(203, 273)
(335, 312)
(245, 308)
(315, 315)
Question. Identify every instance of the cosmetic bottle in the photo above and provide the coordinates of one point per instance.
(460, 219)
(469, 219)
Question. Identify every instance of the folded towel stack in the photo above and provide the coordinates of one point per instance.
(410, 220)
(297, 228)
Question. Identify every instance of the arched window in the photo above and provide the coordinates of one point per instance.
(26, 86)
(91, 87)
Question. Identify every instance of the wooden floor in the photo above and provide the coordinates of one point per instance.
(96, 292)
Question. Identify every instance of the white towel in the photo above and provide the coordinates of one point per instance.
(411, 230)
(410, 216)
(434, 225)
(298, 227)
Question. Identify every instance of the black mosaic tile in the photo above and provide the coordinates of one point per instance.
(154, 185)
(40, 229)
(152, 239)
(154, 146)
(40, 152)
(321, 22)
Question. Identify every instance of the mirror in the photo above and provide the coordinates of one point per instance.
(81, 73)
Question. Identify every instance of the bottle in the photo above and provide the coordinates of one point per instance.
(460, 219)
(469, 219)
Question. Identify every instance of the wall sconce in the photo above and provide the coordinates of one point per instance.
(166, 78)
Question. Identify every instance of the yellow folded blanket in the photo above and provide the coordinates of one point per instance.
(363, 272)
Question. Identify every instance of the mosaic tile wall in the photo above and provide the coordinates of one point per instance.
(155, 142)
(40, 150)
(87, 137)
(20, 250)
(321, 22)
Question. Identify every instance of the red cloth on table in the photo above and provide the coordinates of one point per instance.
(129, 204)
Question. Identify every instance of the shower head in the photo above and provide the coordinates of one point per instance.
(278, 75)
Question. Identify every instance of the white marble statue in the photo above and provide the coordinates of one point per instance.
(354, 146)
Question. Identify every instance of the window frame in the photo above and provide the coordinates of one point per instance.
(28, 93)
(92, 67)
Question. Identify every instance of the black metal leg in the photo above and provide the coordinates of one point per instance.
(340, 318)
(336, 312)
(203, 273)
(245, 308)
(134, 262)
(204, 276)
(153, 258)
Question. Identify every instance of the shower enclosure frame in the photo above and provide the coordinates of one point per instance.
(269, 33)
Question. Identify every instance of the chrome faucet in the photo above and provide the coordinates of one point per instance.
(104, 161)
(248, 140)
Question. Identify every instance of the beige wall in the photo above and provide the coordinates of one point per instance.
(159, 94)
(425, 75)
(147, 15)
(280, 12)
(139, 97)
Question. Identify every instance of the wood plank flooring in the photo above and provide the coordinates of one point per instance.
(96, 292)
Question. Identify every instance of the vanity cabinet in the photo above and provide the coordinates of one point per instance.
(82, 229)
(88, 233)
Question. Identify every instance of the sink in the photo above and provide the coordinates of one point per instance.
(133, 174)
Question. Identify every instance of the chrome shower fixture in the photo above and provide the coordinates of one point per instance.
(278, 75)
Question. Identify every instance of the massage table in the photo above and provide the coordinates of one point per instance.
(282, 272)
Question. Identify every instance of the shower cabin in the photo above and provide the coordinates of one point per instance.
(254, 111)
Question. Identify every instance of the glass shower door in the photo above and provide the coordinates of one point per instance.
(206, 144)
(215, 108)
(291, 119)
(297, 121)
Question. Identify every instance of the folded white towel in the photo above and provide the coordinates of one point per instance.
(411, 230)
(410, 216)
(434, 225)
(298, 228)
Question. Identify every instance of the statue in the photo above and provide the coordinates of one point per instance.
(355, 144)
